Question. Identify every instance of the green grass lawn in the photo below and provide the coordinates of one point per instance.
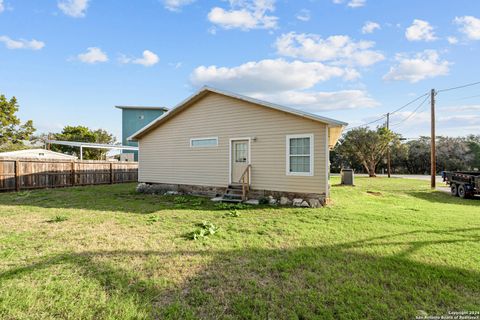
(385, 249)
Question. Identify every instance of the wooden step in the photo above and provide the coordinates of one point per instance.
(234, 191)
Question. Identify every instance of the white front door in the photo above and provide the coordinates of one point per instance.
(239, 159)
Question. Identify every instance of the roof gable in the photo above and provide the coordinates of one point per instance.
(206, 90)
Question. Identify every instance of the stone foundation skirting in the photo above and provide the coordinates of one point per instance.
(162, 188)
(274, 197)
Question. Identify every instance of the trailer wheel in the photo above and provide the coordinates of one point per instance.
(454, 190)
(462, 193)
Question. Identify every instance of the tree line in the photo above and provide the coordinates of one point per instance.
(14, 134)
(365, 150)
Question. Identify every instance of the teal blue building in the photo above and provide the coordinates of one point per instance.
(135, 118)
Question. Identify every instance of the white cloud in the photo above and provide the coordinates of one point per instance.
(176, 65)
(451, 125)
(352, 3)
(369, 27)
(22, 43)
(73, 8)
(245, 15)
(470, 26)
(176, 5)
(337, 49)
(463, 108)
(424, 117)
(423, 65)
(420, 30)
(2, 6)
(148, 59)
(289, 83)
(321, 101)
(452, 40)
(93, 55)
(465, 119)
(356, 3)
(267, 76)
(303, 15)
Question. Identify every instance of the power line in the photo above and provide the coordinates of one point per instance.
(409, 103)
(413, 101)
(396, 110)
(366, 124)
(412, 113)
(459, 87)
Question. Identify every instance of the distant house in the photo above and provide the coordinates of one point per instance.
(209, 141)
(133, 119)
(40, 154)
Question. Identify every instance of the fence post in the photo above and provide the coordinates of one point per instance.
(112, 177)
(17, 175)
(73, 173)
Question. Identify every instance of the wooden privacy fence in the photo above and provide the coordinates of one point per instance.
(22, 174)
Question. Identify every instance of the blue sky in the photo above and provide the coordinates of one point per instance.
(70, 61)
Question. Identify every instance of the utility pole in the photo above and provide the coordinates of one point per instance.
(388, 147)
(433, 165)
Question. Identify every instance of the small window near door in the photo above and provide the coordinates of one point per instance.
(300, 155)
(241, 152)
(204, 142)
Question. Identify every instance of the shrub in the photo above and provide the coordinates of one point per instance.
(205, 229)
(232, 213)
(152, 219)
(57, 219)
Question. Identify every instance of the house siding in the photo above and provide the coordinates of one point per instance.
(166, 155)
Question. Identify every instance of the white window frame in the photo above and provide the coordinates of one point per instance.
(287, 154)
(205, 138)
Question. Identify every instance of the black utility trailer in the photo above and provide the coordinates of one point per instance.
(463, 184)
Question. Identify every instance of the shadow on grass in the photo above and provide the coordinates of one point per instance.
(328, 282)
(444, 197)
(120, 197)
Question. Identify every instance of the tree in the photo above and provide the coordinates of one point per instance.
(418, 158)
(398, 156)
(339, 160)
(453, 154)
(474, 145)
(83, 134)
(366, 146)
(12, 131)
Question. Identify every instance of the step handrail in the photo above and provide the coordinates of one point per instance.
(245, 181)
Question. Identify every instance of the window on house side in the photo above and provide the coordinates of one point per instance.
(300, 155)
(203, 142)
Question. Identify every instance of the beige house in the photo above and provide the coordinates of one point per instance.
(216, 141)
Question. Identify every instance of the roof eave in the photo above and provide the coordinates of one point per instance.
(142, 108)
(206, 89)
